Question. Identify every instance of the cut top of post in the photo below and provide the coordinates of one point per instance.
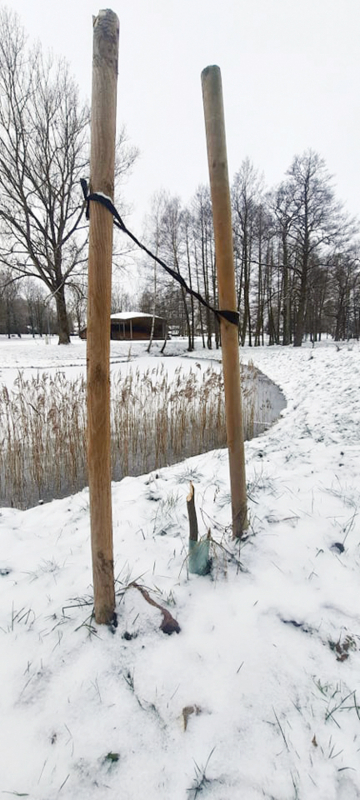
(212, 89)
(106, 34)
(104, 97)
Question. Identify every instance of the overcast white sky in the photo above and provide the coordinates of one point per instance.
(290, 70)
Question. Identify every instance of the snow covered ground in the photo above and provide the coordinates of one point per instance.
(258, 696)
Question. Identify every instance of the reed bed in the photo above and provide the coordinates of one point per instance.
(156, 420)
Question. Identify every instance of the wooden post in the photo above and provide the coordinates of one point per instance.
(102, 161)
(221, 209)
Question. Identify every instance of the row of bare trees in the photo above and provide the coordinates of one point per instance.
(296, 259)
(24, 309)
(296, 252)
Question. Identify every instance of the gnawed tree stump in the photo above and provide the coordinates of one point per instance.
(199, 551)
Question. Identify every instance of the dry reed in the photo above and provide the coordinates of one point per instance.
(156, 420)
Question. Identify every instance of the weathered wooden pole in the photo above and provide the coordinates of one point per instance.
(102, 161)
(221, 209)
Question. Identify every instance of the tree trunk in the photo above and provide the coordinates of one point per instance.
(8, 318)
(187, 319)
(154, 305)
(286, 293)
(300, 316)
(192, 309)
(260, 301)
(200, 308)
(62, 317)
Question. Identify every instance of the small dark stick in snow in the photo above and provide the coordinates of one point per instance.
(169, 625)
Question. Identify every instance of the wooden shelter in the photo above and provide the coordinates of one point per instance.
(133, 326)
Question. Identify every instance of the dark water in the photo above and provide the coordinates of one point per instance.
(258, 417)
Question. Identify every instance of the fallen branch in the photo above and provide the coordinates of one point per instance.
(169, 625)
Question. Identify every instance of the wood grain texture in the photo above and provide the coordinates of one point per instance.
(221, 208)
(102, 162)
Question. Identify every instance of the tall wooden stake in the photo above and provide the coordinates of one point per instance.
(102, 161)
(221, 208)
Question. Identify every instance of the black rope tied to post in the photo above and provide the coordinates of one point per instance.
(98, 197)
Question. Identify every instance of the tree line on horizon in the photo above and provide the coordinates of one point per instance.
(296, 250)
(296, 259)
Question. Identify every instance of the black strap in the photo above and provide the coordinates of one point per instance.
(230, 316)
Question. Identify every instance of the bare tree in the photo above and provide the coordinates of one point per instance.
(247, 192)
(318, 224)
(37, 306)
(284, 212)
(154, 235)
(204, 258)
(9, 295)
(344, 282)
(121, 300)
(169, 231)
(43, 154)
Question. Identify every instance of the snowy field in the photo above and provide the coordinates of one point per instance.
(258, 696)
